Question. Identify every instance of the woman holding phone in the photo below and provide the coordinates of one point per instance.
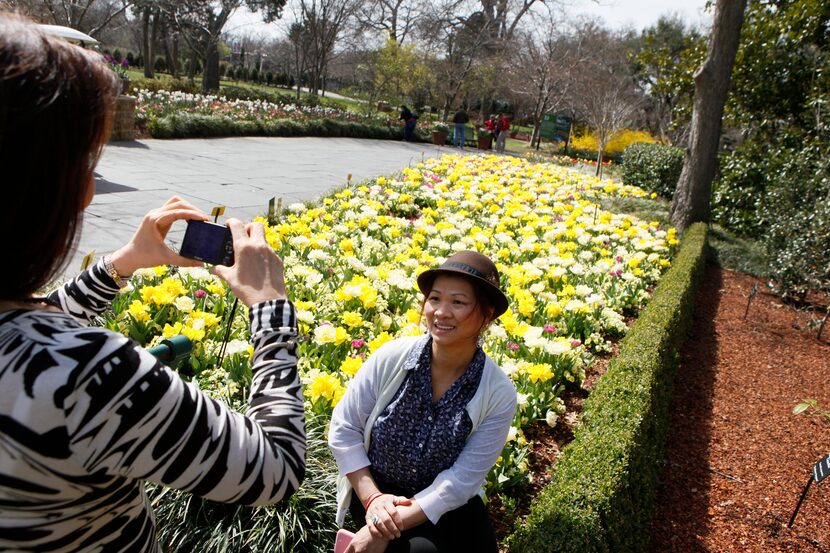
(424, 421)
(86, 415)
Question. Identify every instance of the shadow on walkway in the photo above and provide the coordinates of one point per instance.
(103, 186)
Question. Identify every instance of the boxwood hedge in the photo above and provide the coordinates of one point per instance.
(602, 494)
(191, 125)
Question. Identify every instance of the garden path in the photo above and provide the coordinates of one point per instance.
(239, 173)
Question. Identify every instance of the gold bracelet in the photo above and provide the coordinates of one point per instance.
(110, 268)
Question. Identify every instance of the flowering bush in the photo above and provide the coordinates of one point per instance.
(618, 143)
(120, 68)
(571, 270)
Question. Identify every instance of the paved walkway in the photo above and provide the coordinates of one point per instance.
(239, 173)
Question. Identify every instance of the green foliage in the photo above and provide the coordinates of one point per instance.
(302, 523)
(171, 85)
(777, 190)
(398, 72)
(602, 494)
(664, 65)
(653, 167)
(811, 407)
(781, 67)
(192, 125)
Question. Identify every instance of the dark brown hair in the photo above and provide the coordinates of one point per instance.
(56, 108)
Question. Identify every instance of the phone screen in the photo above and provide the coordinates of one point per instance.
(208, 242)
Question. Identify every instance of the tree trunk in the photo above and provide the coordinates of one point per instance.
(210, 71)
(147, 44)
(191, 71)
(691, 202)
(168, 57)
(171, 49)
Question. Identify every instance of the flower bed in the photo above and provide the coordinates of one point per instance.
(571, 270)
(180, 114)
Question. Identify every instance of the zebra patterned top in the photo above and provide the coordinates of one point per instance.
(87, 415)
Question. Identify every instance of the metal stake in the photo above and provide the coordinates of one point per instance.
(800, 500)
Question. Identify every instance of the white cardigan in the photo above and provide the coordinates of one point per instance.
(491, 411)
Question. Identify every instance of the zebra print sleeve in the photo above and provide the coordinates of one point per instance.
(87, 295)
(128, 415)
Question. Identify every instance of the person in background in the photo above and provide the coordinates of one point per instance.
(424, 421)
(460, 119)
(504, 131)
(490, 126)
(410, 120)
(86, 414)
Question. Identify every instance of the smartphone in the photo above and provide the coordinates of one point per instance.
(342, 541)
(208, 242)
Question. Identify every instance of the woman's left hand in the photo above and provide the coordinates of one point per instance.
(147, 247)
(365, 542)
(388, 523)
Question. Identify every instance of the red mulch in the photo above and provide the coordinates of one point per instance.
(737, 457)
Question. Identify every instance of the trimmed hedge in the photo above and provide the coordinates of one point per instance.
(602, 494)
(190, 125)
(653, 167)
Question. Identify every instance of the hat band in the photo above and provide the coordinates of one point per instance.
(469, 269)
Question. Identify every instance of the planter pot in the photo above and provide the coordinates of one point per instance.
(485, 142)
(439, 138)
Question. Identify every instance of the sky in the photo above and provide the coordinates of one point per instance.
(639, 14)
(617, 14)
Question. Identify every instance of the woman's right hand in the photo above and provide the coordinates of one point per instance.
(257, 272)
(365, 542)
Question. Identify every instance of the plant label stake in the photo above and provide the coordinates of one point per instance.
(87, 260)
(820, 471)
(751, 296)
(271, 202)
(216, 212)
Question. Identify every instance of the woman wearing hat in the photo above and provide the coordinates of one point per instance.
(425, 420)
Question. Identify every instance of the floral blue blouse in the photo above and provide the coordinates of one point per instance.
(413, 440)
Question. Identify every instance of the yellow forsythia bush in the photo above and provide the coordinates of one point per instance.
(619, 142)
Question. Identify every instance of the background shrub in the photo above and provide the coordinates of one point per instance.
(653, 167)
